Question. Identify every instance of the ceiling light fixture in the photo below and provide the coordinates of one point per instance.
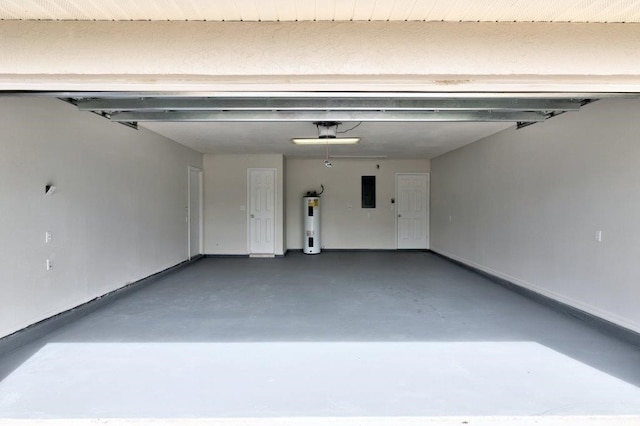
(364, 157)
(327, 131)
(325, 141)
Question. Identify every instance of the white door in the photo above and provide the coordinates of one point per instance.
(412, 208)
(194, 214)
(261, 211)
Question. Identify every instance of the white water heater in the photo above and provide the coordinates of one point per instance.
(311, 205)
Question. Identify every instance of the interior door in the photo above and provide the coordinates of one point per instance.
(261, 211)
(412, 208)
(194, 214)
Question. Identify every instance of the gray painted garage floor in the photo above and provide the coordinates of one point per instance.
(338, 335)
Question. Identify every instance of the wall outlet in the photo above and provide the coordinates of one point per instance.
(49, 264)
(599, 236)
(47, 237)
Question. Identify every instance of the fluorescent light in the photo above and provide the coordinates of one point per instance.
(358, 156)
(325, 141)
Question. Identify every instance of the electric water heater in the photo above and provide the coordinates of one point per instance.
(311, 207)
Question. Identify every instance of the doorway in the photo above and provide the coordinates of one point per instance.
(194, 211)
(261, 193)
(412, 210)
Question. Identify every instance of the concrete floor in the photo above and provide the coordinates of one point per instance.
(371, 334)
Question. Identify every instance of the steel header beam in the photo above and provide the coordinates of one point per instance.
(320, 104)
(342, 116)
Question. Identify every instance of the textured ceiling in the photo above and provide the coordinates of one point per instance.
(395, 140)
(326, 10)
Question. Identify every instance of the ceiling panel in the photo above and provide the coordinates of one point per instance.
(344, 10)
(245, 10)
(305, 10)
(382, 10)
(326, 10)
(267, 11)
(285, 9)
(393, 140)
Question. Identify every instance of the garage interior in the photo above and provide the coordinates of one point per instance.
(132, 284)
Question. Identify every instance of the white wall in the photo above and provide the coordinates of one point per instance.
(344, 223)
(225, 196)
(118, 214)
(525, 205)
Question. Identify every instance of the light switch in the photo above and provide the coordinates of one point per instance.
(47, 237)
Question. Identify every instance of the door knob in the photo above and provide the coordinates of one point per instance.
(399, 215)
(252, 217)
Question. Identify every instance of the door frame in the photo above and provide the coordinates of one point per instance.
(275, 206)
(428, 197)
(200, 203)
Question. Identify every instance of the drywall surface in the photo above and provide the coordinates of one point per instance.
(422, 56)
(117, 215)
(526, 205)
(344, 223)
(225, 201)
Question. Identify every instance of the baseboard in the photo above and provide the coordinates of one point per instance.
(241, 256)
(362, 250)
(589, 315)
(330, 250)
(43, 327)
